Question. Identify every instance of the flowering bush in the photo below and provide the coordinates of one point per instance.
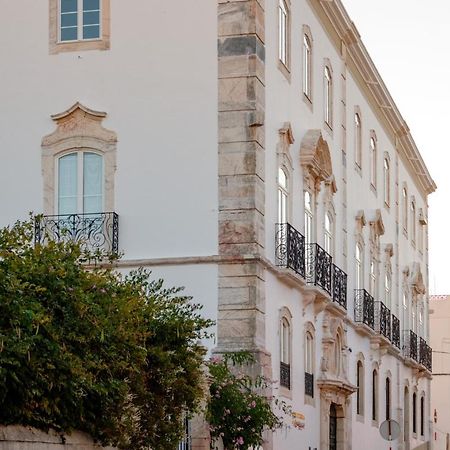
(238, 411)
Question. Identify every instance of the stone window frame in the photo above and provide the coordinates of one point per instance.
(414, 397)
(388, 395)
(373, 160)
(307, 93)
(422, 408)
(328, 121)
(375, 407)
(285, 67)
(358, 139)
(103, 43)
(284, 162)
(413, 220)
(286, 315)
(78, 129)
(404, 208)
(360, 393)
(387, 180)
(310, 329)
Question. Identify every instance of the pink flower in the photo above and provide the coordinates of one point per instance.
(240, 440)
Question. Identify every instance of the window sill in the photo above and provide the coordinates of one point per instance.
(307, 100)
(373, 189)
(77, 46)
(328, 128)
(375, 423)
(310, 401)
(284, 70)
(285, 392)
(360, 418)
(358, 169)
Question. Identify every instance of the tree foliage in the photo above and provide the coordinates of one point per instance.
(238, 410)
(114, 355)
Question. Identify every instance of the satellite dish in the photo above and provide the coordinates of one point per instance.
(390, 430)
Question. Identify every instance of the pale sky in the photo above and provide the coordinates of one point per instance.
(409, 42)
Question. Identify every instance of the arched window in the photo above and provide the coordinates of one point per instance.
(374, 395)
(413, 222)
(307, 66)
(358, 140)
(309, 218)
(387, 181)
(388, 289)
(405, 208)
(285, 353)
(422, 415)
(309, 364)
(283, 29)
(388, 398)
(328, 96)
(373, 162)
(360, 388)
(80, 183)
(359, 267)
(283, 196)
(414, 411)
(329, 241)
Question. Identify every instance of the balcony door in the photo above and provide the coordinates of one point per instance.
(80, 183)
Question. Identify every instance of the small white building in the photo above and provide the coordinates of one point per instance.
(250, 151)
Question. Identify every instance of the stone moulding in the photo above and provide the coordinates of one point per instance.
(78, 128)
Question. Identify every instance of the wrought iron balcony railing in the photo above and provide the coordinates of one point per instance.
(290, 248)
(364, 308)
(97, 231)
(425, 354)
(339, 286)
(410, 349)
(285, 375)
(395, 331)
(318, 267)
(383, 320)
(309, 384)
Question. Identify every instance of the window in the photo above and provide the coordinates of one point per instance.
(309, 364)
(414, 410)
(328, 238)
(360, 388)
(309, 218)
(80, 183)
(328, 97)
(374, 395)
(307, 66)
(337, 354)
(186, 442)
(78, 25)
(387, 289)
(359, 267)
(413, 222)
(388, 398)
(283, 196)
(405, 208)
(283, 24)
(373, 162)
(387, 177)
(79, 20)
(285, 354)
(373, 278)
(420, 238)
(422, 415)
(358, 140)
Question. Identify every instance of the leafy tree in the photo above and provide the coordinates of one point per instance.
(113, 355)
(238, 411)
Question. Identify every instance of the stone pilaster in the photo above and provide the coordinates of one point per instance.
(241, 109)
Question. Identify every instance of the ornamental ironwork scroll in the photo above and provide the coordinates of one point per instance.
(339, 286)
(395, 331)
(290, 248)
(383, 319)
(410, 349)
(318, 267)
(364, 308)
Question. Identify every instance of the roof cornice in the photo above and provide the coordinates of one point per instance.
(344, 33)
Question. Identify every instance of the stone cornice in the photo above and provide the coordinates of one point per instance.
(344, 34)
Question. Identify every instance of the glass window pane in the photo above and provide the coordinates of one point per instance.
(89, 5)
(92, 183)
(91, 18)
(67, 184)
(91, 32)
(69, 20)
(69, 34)
(69, 6)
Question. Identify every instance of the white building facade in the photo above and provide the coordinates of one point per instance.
(250, 151)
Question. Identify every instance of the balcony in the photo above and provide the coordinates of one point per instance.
(395, 331)
(410, 345)
(285, 375)
(364, 308)
(318, 267)
(94, 232)
(290, 248)
(309, 384)
(339, 286)
(383, 320)
(425, 354)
